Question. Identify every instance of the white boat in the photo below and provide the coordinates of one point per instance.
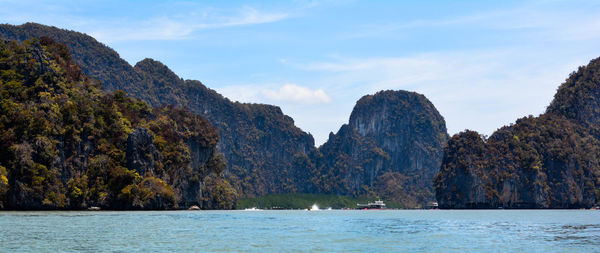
(372, 205)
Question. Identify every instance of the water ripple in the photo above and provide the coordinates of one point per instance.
(302, 231)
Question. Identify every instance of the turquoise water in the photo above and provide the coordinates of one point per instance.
(303, 231)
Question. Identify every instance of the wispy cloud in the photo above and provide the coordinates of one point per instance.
(549, 19)
(178, 27)
(172, 21)
(249, 16)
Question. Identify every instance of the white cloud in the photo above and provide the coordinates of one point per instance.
(298, 94)
(249, 16)
(269, 93)
(176, 27)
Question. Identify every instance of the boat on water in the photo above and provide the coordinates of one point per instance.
(432, 205)
(371, 205)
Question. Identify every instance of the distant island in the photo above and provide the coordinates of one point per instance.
(80, 128)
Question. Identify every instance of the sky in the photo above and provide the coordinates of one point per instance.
(483, 64)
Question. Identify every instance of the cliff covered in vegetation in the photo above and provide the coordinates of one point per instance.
(391, 148)
(66, 145)
(550, 161)
(265, 151)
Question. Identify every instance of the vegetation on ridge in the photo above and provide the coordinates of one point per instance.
(64, 144)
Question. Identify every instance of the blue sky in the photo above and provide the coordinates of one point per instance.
(483, 64)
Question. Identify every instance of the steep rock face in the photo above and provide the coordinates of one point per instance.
(259, 142)
(262, 145)
(190, 181)
(469, 153)
(391, 147)
(550, 161)
(66, 145)
(141, 153)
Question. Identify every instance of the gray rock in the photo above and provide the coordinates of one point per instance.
(141, 153)
(393, 138)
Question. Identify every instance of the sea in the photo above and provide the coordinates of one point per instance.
(302, 231)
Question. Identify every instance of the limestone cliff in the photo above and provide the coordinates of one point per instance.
(391, 148)
(66, 145)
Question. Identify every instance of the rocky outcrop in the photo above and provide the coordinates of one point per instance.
(391, 147)
(141, 153)
(550, 161)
